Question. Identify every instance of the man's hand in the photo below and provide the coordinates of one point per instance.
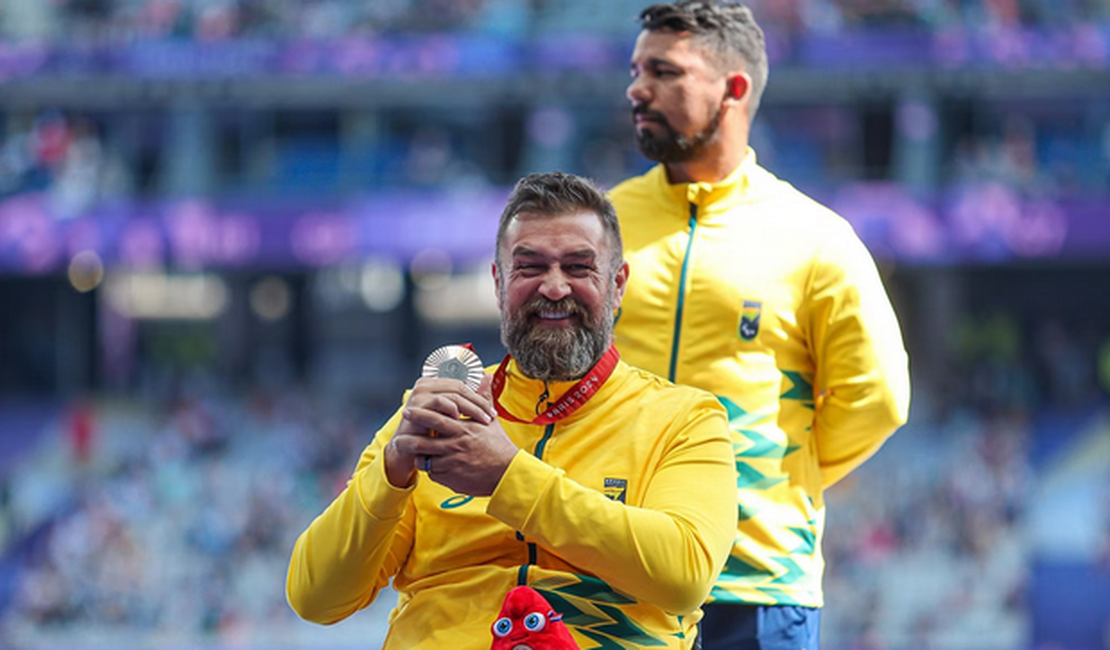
(467, 454)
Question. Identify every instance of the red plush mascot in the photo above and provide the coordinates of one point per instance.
(527, 622)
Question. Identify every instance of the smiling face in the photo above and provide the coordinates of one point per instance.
(557, 292)
(677, 96)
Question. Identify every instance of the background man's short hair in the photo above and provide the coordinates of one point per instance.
(727, 30)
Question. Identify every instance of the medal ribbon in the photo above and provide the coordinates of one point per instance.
(571, 400)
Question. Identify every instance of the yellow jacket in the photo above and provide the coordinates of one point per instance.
(753, 291)
(620, 515)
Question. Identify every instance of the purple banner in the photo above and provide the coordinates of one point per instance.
(179, 58)
(987, 223)
(198, 234)
(984, 224)
(22, 60)
(1078, 46)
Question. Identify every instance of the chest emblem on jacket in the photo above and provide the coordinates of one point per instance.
(615, 489)
(749, 319)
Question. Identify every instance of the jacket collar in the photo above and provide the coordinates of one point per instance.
(522, 394)
(738, 187)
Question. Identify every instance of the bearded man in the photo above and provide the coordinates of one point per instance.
(603, 487)
(745, 287)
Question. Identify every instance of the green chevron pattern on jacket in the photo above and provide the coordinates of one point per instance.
(802, 389)
(592, 607)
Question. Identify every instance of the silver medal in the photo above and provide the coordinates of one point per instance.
(455, 362)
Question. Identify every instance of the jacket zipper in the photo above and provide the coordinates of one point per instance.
(682, 293)
(522, 572)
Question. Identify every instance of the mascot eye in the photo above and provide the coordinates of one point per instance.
(535, 622)
(503, 626)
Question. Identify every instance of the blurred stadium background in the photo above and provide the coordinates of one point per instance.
(230, 230)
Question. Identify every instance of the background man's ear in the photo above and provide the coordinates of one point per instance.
(738, 85)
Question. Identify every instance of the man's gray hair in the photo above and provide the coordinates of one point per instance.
(553, 194)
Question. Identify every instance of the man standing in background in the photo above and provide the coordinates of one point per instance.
(743, 286)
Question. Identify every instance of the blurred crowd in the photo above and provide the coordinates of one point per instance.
(801, 16)
(1038, 158)
(64, 156)
(926, 545)
(100, 21)
(213, 20)
(1055, 147)
(180, 519)
(78, 159)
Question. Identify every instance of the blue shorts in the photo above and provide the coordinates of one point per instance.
(730, 626)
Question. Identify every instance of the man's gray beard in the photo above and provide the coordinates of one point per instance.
(562, 354)
(672, 147)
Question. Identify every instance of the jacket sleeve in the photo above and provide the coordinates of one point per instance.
(862, 385)
(345, 557)
(666, 552)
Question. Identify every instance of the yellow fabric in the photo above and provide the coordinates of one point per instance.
(635, 570)
(784, 318)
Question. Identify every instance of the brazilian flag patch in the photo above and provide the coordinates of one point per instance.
(749, 319)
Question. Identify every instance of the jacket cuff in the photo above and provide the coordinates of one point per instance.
(377, 495)
(514, 499)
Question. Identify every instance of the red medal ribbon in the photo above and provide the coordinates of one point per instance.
(571, 400)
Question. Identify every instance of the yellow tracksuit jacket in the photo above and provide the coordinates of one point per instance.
(753, 291)
(620, 515)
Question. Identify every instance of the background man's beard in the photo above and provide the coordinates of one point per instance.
(560, 354)
(673, 147)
